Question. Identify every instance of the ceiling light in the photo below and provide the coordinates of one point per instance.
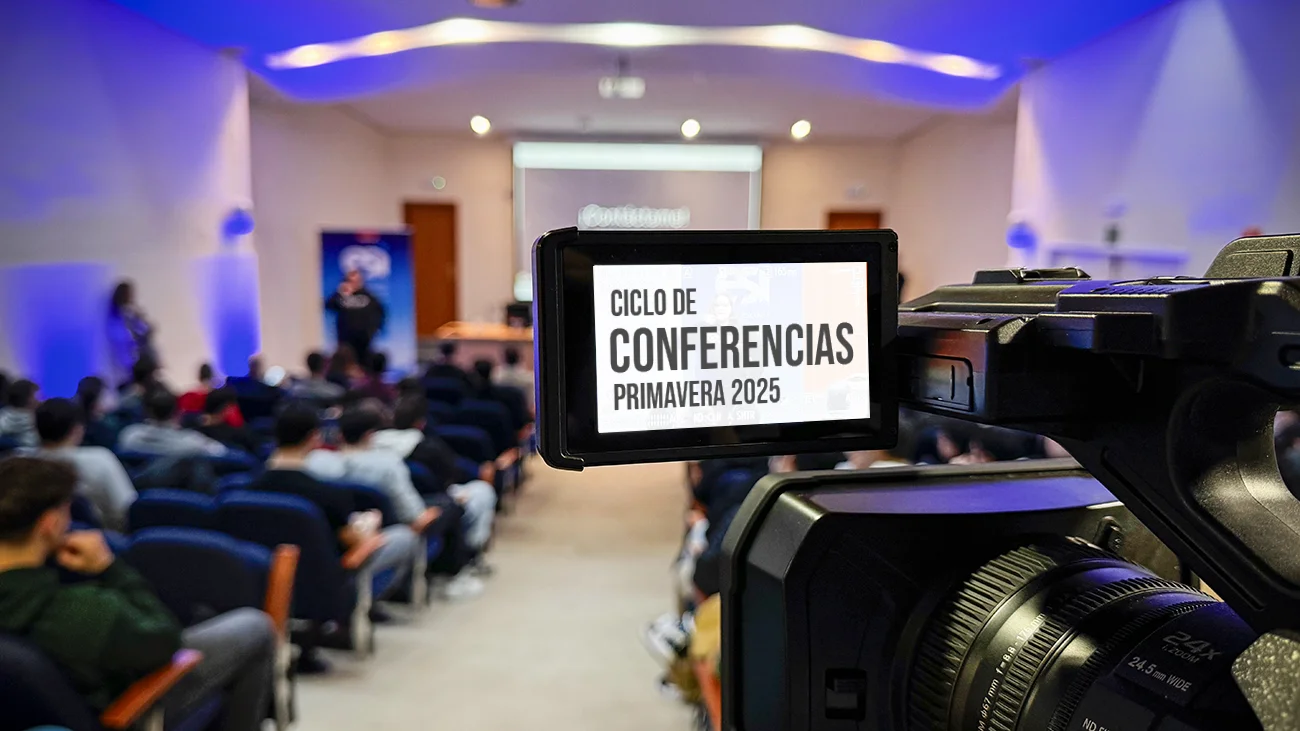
(800, 129)
(454, 31)
(621, 87)
(690, 128)
(494, 3)
(480, 124)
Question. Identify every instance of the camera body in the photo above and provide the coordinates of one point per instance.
(851, 602)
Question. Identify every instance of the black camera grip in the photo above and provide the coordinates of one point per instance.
(1204, 478)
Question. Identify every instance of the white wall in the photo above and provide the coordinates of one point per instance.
(314, 168)
(1190, 117)
(953, 196)
(802, 182)
(480, 181)
(122, 142)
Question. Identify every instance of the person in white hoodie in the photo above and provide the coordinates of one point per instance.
(101, 478)
(408, 440)
(18, 417)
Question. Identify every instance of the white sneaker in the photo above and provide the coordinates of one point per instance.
(463, 586)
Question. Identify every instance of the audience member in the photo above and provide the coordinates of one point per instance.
(144, 380)
(130, 333)
(161, 434)
(102, 427)
(101, 478)
(110, 630)
(191, 402)
(4, 382)
(445, 366)
(344, 371)
(314, 386)
(483, 387)
(297, 436)
(359, 461)
(223, 422)
(373, 384)
(18, 417)
(513, 373)
(408, 440)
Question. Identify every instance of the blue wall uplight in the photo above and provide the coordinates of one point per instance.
(55, 317)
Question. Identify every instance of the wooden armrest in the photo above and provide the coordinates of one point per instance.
(422, 523)
(711, 690)
(357, 556)
(144, 693)
(279, 587)
(507, 458)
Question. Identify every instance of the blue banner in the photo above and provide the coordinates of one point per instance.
(384, 259)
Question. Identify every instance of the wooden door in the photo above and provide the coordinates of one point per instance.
(433, 249)
(854, 220)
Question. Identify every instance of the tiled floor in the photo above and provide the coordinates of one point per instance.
(582, 565)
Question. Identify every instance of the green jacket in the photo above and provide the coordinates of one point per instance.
(105, 633)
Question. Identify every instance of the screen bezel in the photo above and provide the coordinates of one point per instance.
(565, 343)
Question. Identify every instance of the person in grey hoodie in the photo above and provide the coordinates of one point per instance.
(162, 434)
(18, 417)
(101, 479)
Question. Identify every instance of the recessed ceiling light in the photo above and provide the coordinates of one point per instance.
(800, 129)
(690, 128)
(479, 124)
(493, 3)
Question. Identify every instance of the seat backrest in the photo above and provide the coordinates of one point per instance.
(85, 512)
(235, 481)
(34, 692)
(730, 489)
(161, 507)
(134, 461)
(440, 412)
(467, 441)
(366, 497)
(515, 402)
(322, 591)
(491, 417)
(423, 478)
(199, 574)
(443, 389)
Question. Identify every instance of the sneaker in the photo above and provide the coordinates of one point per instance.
(665, 639)
(463, 586)
(481, 568)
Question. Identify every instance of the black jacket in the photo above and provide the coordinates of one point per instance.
(360, 315)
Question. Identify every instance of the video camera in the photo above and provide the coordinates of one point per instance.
(1007, 596)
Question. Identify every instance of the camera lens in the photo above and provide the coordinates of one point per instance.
(1061, 636)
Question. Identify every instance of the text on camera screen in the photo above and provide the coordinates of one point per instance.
(716, 345)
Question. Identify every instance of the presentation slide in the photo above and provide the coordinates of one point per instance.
(706, 345)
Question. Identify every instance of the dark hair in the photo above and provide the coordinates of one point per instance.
(219, 399)
(378, 363)
(89, 391)
(160, 404)
(20, 394)
(410, 386)
(144, 370)
(254, 366)
(123, 293)
(818, 461)
(512, 356)
(56, 418)
(357, 421)
(32, 486)
(410, 411)
(344, 357)
(352, 397)
(483, 367)
(4, 382)
(295, 424)
(447, 348)
(205, 373)
(316, 362)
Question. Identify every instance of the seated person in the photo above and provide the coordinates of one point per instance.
(191, 402)
(101, 479)
(110, 630)
(102, 427)
(358, 461)
(344, 371)
(18, 417)
(373, 384)
(445, 366)
(144, 380)
(407, 440)
(314, 386)
(297, 434)
(512, 373)
(161, 434)
(254, 385)
(512, 398)
(223, 422)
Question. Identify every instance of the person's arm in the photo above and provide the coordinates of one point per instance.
(334, 302)
(407, 503)
(207, 445)
(117, 488)
(144, 634)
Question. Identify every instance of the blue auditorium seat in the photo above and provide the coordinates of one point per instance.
(199, 574)
(470, 442)
(444, 390)
(491, 417)
(172, 508)
(34, 692)
(333, 593)
(440, 412)
(235, 481)
(365, 497)
(233, 462)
